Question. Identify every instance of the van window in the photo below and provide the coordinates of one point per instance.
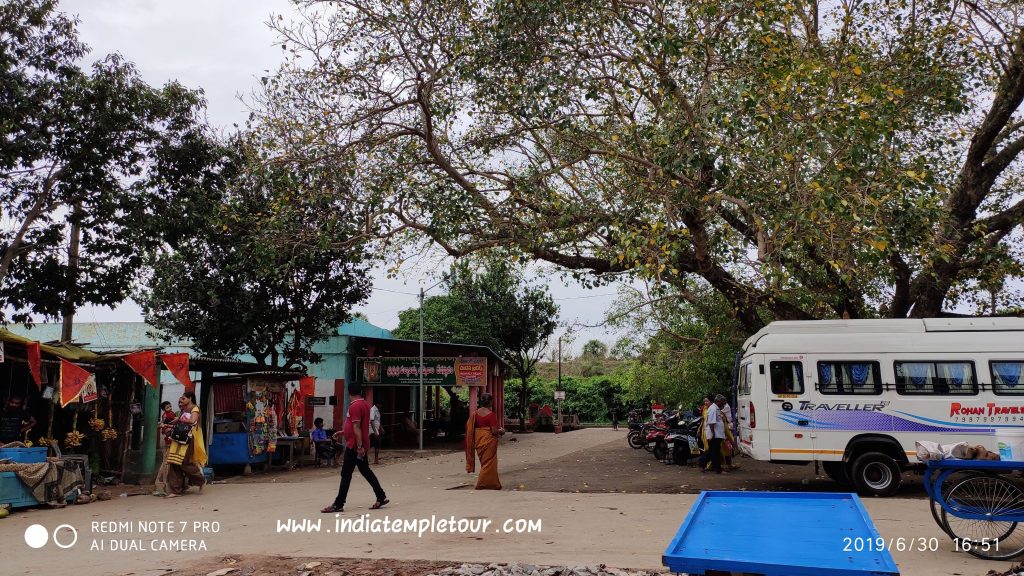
(787, 377)
(743, 388)
(936, 378)
(849, 378)
(1006, 377)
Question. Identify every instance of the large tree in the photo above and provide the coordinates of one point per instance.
(273, 272)
(130, 165)
(805, 159)
(685, 342)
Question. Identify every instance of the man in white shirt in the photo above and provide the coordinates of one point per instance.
(375, 431)
(714, 431)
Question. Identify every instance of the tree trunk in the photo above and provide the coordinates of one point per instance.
(69, 295)
(17, 242)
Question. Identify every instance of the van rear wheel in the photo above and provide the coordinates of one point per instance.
(837, 471)
(876, 474)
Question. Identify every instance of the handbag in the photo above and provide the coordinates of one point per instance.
(181, 433)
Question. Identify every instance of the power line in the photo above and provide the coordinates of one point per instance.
(396, 291)
(590, 296)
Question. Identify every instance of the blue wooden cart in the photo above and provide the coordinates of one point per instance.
(779, 534)
(979, 504)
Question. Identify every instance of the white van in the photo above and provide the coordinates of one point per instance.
(856, 394)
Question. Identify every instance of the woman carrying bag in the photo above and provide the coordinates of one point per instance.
(186, 455)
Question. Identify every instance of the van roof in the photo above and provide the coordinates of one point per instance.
(848, 331)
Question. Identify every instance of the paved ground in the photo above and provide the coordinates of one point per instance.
(625, 530)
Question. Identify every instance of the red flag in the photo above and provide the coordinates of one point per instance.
(178, 365)
(34, 361)
(72, 380)
(144, 364)
(307, 385)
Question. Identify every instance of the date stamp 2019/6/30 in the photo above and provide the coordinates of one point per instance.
(897, 544)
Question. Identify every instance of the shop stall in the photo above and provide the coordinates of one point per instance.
(257, 419)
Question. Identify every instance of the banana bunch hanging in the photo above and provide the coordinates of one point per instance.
(96, 423)
(74, 438)
(109, 433)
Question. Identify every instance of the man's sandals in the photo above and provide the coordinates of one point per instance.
(333, 509)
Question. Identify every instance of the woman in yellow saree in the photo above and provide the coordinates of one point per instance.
(704, 422)
(482, 434)
(705, 459)
(185, 461)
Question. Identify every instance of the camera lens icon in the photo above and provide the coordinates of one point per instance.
(36, 536)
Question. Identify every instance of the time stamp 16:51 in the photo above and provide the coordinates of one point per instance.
(916, 544)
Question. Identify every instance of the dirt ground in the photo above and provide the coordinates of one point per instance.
(615, 467)
(260, 565)
(609, 467)
(307, 471)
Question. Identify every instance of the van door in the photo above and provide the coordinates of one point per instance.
(790, 430)
(744, 414)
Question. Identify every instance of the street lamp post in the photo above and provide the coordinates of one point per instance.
(420, 407)
(558, 401)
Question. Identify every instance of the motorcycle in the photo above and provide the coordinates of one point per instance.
(636, 435)
(680, 443)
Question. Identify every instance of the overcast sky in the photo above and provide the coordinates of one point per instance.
(223, 47)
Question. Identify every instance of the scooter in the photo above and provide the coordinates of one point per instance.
(680, 443)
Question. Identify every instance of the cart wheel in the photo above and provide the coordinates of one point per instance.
(947, 485)
(837, 472)
(991, 496)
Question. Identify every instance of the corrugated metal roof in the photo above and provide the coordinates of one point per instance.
(66, 351)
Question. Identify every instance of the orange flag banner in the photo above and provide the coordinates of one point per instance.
(178, 365)
(72, 380)
(307, 386)
(144, 364)
(34, 362)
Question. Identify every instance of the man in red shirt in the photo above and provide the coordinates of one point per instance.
(357, 441)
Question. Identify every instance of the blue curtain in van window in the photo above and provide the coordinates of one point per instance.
(956, 373)
(1008, 372)
(860, 373)
(825, 370)
(918, 373)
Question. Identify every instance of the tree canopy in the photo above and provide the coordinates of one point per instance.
(804, 159)
(272, 272)
(134, 166)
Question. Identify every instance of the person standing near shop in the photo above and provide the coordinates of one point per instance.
(187, 453)
(714, 430)
(167, 419)
(376, 431)
(357, 438)
(15, 420)
(482, 433)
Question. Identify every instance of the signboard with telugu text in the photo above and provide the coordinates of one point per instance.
(404, 371)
